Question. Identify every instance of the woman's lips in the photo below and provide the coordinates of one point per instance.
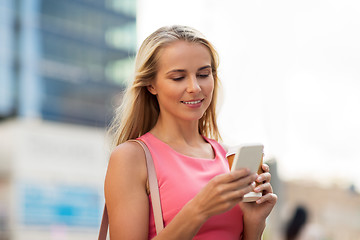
(193, 103)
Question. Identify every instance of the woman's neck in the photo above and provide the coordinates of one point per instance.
(177, 132)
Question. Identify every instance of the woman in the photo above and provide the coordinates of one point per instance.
(171, 107)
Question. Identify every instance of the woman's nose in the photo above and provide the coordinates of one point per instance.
(193, 85)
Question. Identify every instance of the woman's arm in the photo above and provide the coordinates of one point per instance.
(128, 203)
(125, 193)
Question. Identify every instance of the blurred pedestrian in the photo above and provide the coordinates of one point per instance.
(296, 223)
(299, 227)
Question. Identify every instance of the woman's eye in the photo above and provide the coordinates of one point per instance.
(203, 75)
(178, 78)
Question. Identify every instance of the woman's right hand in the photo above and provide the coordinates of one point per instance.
(222, 193)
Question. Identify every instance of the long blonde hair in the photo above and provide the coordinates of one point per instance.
(139, 110)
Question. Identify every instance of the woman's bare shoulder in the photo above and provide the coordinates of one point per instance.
(127, 163)
(128, 151)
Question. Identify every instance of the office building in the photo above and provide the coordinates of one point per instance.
(65, 60)
(63, 65)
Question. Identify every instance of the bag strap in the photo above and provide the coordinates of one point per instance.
(154, 189)
(104, 225)
(154, 193)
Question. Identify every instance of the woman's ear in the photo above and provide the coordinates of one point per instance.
(151, 89)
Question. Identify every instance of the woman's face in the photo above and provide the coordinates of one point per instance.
(184, 82)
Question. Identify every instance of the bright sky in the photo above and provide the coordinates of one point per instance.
(291, 77)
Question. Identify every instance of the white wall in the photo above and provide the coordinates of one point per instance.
(55, 175)
(290, 71)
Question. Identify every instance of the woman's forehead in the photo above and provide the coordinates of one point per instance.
(182, 54)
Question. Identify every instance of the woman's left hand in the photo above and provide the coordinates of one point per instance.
(257, 212)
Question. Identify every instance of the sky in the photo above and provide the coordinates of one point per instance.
(290, 74)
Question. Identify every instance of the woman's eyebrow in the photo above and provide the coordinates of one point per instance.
(176, 70)
(183, 70)
(204, 67)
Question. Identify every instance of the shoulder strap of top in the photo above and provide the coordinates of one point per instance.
(154, 193)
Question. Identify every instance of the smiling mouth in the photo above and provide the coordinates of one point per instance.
(193, 102)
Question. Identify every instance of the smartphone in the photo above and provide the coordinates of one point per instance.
(248, 156)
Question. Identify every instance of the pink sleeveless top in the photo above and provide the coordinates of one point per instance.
(181, 177)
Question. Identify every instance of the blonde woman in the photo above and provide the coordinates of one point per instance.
(171, 106)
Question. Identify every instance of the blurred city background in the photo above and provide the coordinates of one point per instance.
(290, 76)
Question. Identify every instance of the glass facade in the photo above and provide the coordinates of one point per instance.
(74, 57)
(6, 85)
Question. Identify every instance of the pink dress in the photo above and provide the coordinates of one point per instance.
(181, 177)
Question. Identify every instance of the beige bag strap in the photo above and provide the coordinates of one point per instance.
(154, 193)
